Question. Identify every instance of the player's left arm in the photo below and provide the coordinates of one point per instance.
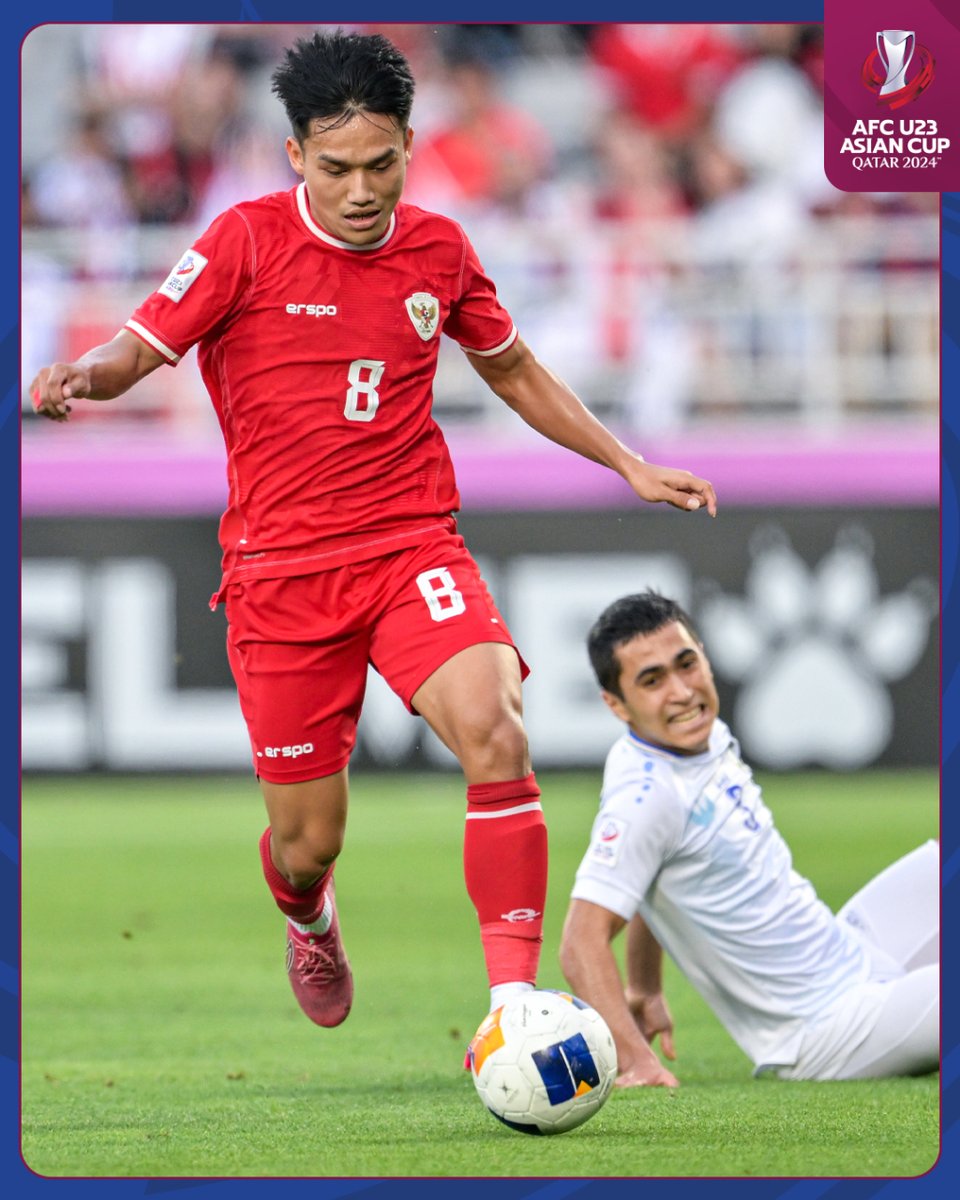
(644, 991)
(550, 407)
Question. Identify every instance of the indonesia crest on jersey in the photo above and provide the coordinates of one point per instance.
(424, 311)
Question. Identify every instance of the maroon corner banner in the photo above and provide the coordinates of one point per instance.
(892, 95)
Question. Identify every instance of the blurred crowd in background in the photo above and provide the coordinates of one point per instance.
(650, 200)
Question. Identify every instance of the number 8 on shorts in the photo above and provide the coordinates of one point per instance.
(440, 592)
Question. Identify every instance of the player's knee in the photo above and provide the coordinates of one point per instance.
(496, 747)
(304, 859)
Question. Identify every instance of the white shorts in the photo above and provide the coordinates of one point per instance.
(898, 912)
(890, 1024)
(881, 1028)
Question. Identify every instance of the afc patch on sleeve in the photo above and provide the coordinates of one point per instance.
(182, 276)
(605, 847)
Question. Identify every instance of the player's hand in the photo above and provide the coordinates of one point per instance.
(53, 387)
(668, 485)
(646, 1074)
(653, 1019)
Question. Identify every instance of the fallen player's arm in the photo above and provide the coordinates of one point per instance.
(644, 991)
(550, 407)
(588, 963)
(103, 373)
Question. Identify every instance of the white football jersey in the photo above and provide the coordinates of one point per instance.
(689, 844)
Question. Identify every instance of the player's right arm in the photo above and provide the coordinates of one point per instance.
(588, 963)
(103, 373)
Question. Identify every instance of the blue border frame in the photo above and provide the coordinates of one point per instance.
(14, 1173)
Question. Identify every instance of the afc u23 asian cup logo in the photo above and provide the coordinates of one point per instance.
(886, 68)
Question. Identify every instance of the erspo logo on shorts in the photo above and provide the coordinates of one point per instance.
(288, 751)
(177, 283)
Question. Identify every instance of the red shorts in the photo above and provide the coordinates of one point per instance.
(299, 647)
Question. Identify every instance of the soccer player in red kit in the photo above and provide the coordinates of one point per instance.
(317, 314)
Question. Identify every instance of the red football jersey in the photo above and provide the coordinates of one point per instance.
(319, 357)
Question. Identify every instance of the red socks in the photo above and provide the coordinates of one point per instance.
(303, 906)
(505, 866)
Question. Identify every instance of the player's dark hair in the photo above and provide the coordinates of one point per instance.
(341, 74)
(623, 620)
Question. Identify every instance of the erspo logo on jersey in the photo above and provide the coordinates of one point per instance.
(182, 277)
(312, 310)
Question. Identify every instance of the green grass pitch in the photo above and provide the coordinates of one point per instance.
(160, 1036)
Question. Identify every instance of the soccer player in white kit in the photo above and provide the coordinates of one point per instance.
(684, 852)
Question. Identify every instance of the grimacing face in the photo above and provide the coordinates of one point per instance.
(354, 174)
(669, 697)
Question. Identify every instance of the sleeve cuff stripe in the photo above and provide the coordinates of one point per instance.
(504, 345)
(152, 340)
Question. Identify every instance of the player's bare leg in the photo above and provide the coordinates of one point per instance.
(298, 851)
(473, 703)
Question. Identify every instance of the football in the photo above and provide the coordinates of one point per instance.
(544, 1062)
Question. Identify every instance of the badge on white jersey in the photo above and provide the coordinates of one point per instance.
(182, 276)
(424, 311)
(608, 840)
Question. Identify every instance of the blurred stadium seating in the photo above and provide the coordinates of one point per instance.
(659, 224)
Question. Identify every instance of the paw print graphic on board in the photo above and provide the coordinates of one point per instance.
(813, 649)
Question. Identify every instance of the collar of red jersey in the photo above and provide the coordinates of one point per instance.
(303, 204)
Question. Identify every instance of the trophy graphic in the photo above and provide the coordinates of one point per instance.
(895, 47)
